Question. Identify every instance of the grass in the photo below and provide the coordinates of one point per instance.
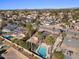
(58, 55)
(24, 44)
(50, 40)
(21, 43)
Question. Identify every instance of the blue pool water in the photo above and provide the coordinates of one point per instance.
(8, 37)
(42, 51)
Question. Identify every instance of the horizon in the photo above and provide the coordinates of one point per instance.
(42, 8)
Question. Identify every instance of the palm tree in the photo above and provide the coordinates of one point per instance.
(30, 29)
(50, 40)
(63, 36)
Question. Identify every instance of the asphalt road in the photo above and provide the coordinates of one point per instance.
(49, 29)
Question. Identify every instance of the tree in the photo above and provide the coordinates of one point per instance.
(64, 34)
(58, 55)
(40, 35)
(50, 40)
(26, 37)
(37, 23)
(30, 29)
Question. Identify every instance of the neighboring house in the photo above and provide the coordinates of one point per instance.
(47, 22)
(28, 20)
(9, 28)
(5, 30)
(18, 35)
(19, 30)
(76, 26)
(33, 40)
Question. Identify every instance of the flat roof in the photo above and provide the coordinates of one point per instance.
(14, 54)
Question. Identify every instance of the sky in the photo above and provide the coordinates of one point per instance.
(38, 4)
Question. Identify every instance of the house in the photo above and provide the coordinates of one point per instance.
(18, 35)
(19, 30)
(9, 27)
(47, 22)
(5, 30)
(33, 40)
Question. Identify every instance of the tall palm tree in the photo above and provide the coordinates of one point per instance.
(51, 54)
(63, 36)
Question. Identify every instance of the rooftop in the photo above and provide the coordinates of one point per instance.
(14, 54)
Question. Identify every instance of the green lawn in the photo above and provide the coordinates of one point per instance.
(58, 55)
(21, 43)
(25, 44)
(50, 40)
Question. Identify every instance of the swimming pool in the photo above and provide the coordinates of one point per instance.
(7, 37)
(42, 51)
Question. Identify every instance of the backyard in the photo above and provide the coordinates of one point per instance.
(58, 55)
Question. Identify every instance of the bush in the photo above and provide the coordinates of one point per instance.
(58, 55)
(50, 40)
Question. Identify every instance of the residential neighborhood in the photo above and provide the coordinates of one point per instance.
(39, 34)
